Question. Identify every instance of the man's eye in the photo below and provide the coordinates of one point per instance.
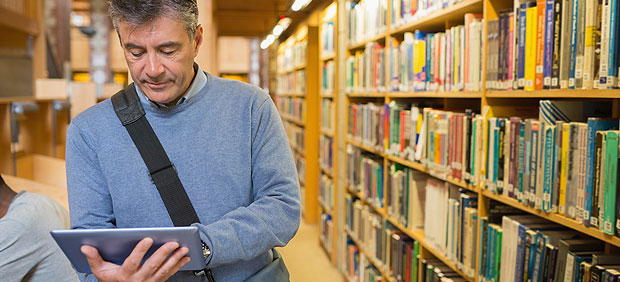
(167, 52)
(137, 54)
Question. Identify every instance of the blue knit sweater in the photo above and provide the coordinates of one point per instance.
(232, 156)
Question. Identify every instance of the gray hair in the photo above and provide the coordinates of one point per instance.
(139, 12)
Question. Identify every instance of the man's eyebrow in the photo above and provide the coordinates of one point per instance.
(133, 46)
(169, 44)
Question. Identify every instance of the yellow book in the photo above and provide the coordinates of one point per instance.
(563, 169)
(530, 47)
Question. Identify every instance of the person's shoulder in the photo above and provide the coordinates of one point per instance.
(33, 207)
(98, 113)
(237, 89)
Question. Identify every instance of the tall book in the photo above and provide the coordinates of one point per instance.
(549, 42)
(579, 48)
(530, 49)
(590, 44)
(540, 43)
(557, 39)
(611, 173)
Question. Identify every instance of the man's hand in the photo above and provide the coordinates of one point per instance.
(159, 267)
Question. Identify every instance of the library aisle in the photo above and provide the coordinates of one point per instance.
(305, 259)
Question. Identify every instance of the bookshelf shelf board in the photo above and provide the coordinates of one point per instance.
(420, 167)
(297, 150)
(362, 44)
(298, 68)
(377, 264)
(327, 133)
(436, 21)
(570, 223)
(568, 93)
(292, 95)
(325, 208)
(292, 120)
(331, 96)
(346, 277)
(419, 236)
(435, 94)
(325, 249)
(364, 147)
(379, 211)
(328, 57)
(8, 100)
(18, 22)
(327, 172)
(366, 95)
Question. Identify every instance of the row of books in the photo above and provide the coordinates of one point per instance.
(326, 232)
(454, 213)
(326, 153)
(365, 175)
(327, 38)
(567, 44)
(327, 193)
(293, 56)
(328, 76)
(367, 227)
(365, 70)
(445, 61)
(328, 115)
(405, 195)
(293, 107)
(365, 19)
(295, 135)
(292, 82)
(357, 267)
(405, 11)
(367, 124)
(300, 164)
(523, 247)
(16, 6)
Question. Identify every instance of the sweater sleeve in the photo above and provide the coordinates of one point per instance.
(272, 219)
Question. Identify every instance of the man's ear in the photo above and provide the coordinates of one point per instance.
(197, 39)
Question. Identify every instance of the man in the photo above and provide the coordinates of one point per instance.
(27, 250)
(225, 139)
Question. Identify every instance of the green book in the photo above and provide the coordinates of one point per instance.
(611, 168)
(498, 255)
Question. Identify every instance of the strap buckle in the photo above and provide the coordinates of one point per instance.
(205, 272)
(171, 165)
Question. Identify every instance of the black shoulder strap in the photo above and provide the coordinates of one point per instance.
(162, 172)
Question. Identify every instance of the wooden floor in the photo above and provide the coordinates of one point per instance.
(306, 260)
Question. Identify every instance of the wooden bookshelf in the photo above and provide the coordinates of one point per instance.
(378, 265)
(18, 22)
(436, 20)
(553, 93)
(328, 57)
(292, 120)
(326, 172)
(419, 237)
(438, 94)
(570, 223)
(329, 96)
(364, 147)
(361, 45)
(327, 133)
(366, 95)
(295, 95)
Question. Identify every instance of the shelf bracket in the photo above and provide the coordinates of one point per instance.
(57, 106)
(18, 111)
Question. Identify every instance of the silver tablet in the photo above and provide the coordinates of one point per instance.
(116, 244)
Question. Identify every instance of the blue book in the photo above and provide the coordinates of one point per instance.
(535, 135)
(521, 161)
(492, 254)
(429, 52)
(594, 125)
(612, 73)
(531, 260)
(420, 36)
(496, 154)
(520, 252)
(573, 44)
(549, 33)
(549, 163)
(539, 242)
(521, 43)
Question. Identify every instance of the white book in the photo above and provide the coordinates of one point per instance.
(583, 140)
(567, 7)
(540, 175)
(506, 245)
(604, 64)
(570, 267)
(478, 162)
(491, 185)
(475, 55)
(506, 156)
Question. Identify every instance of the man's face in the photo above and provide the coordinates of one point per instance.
(160, 56)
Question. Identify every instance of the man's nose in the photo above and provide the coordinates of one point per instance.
(154, 67)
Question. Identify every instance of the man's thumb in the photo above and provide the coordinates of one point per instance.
(92, 256)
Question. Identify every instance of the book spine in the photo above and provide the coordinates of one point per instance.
(612, 73)
(557, 38)
(603, 69)
(579, 48)
(513, 157)
(548, 49)
(499, 168)
(565, 43)
(533, 162)
(548, 171)
(530, 52)
(540, 43)
(521, 48)
(611, 168)
(562, 209)
(590, 43)
(573, 44)
(511, 53)
(520, 253)
(596, 180)
(557, 167)
(521, 163)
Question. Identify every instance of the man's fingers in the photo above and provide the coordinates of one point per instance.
(132, 262)
(172, 264)
(92, 256)
(155, 261)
